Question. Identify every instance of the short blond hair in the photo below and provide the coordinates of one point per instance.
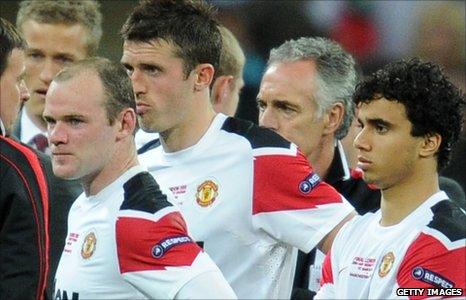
(232, 58)
(84, 12)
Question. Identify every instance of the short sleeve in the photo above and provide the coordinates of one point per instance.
(291, 202)
(432, 263)
(156, 255)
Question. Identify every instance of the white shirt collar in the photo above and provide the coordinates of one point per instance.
(2, 128)
(28, 128)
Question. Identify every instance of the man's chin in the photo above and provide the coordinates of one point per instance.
(65, 174)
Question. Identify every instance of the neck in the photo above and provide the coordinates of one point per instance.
(37, 120)
(400, 200)
(321, 158)
(123, 159)
(190, 131)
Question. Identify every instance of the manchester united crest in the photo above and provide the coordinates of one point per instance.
(88, 247)
(387, 264)
(207, 192)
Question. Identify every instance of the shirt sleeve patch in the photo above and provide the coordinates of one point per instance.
(166, 244)
(283, 182)
(309, 183)
(431, 277)
(145, 245)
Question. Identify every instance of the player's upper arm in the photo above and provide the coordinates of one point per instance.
(291, 202)
(433, 261)
(326, 243)
(209, 285)
(156, 255)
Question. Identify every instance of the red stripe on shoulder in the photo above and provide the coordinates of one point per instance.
(284, 182)
(428, 263)
(144, 245)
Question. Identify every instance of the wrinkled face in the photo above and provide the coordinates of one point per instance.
(163, 94)
(13, 91)
(50, 48)
(387, 153)
(81, 139)
(286, 106)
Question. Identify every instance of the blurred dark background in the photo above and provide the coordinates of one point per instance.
(375, 32)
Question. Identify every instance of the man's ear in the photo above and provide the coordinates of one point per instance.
(127, 121)
(221, 89)
(204, 74)
(430, 145)
(333, 118)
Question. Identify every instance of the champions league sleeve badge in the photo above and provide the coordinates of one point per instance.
(309, 183)
(166, 244)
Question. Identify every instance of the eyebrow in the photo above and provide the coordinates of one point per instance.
(378, 121)
(65, 118)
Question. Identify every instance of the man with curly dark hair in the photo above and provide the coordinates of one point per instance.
(410, 116)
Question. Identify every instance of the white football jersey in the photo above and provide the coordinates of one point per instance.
(425, 250)
(127, 242)
(250, 199)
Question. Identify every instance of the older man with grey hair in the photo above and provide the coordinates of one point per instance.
(305, 96)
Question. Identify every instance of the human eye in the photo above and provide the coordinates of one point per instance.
(359, 124)
(64, 59)
(34, 54)
(151, 70)
(50, 122)
(285, 108)
(129, 69)
(74, 121)
(261, 105)
(381, 128)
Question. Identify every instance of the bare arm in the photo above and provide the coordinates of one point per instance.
(326, 243)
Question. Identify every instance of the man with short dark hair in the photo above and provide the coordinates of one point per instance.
(249, 196)
(24, 205)
(125, 240)
(410, 115)
(225, 88)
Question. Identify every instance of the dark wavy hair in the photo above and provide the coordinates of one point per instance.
(433, 104)
(189, 24)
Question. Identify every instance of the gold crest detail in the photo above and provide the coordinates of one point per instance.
(88, 247)
(387, 264)
(206, 193)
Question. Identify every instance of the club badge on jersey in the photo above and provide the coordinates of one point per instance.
(207, 192)
(387, 264)
(89, 245)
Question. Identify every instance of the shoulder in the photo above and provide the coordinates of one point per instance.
(448, 222)
(22, 162)
(143, 194)
(441, 243)
(151, 234)
(258, 137)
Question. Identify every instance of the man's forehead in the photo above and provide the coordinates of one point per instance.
(381, 108)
